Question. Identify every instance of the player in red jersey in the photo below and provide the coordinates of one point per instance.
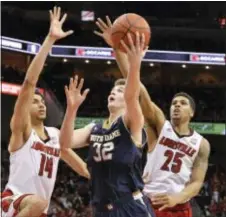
(34, 148)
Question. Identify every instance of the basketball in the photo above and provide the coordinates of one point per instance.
(129, 23)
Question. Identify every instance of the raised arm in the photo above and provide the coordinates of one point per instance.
(70, 138)
(133, 116)
(20, 123)
(152, 113)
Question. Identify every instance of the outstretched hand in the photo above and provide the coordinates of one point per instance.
(56, 32)
(105, 28)
(135, 50)
(166, 201)
(73, 93)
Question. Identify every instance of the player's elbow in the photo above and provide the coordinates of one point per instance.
(64, 143)
(197, 185)
(84, 172)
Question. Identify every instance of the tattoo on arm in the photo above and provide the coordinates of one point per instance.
(201, 161)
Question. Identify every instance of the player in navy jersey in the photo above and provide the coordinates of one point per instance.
(177, 158)
(115, 147)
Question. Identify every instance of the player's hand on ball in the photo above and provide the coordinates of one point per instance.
(56, 32)
(166, 201)
(135, 50)
(73, 93)
(105, 30)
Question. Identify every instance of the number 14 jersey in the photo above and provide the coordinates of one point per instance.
(169, 165)
(33, 167)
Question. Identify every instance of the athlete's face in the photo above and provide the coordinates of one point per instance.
(181, 109)
(116, 97)
(38, 108)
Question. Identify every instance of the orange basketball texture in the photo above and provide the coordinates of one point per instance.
(129, 23)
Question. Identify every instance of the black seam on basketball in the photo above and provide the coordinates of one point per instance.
(128, 20)
(142, 28)
(134, 23)
(132, 33)
(122, 25)
(125, 34)
(117, 32)
(128, 30)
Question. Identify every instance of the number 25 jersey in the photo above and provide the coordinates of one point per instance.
(114, 162)
(169, 165)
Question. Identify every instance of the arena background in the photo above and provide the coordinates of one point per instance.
(179, 31)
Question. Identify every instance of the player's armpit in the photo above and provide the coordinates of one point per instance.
(151, 138)
(198, 172)
(75, 162)
(153, 115)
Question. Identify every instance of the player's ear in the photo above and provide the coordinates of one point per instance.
(191, 113)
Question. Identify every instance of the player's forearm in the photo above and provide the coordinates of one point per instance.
(38, 62)
(67, 128)
(132, 89)
(21, 116)
(75, 162)
(190, 191)
(122, 61)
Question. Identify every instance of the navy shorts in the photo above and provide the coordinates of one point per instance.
(140, 207)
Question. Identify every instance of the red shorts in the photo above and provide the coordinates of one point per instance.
(180, 210)
(10, 203)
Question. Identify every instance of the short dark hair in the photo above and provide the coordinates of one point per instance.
(191, 100)
(37, 92)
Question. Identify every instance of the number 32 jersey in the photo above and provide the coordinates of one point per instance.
(114, 162)
(33, 167)
(169, 165)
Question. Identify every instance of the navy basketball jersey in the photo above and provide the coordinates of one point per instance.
(115, 162)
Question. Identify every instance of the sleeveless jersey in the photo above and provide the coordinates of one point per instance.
(114, 162)
(33, 168)
(169, 165)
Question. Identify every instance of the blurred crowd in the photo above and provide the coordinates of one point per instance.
(209, 108)
(212, 197)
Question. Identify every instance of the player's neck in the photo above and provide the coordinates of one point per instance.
(38, 126)
(114, 116)
(181, 128)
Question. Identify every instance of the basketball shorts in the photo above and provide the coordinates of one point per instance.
(180, 210)
(10, 203)
(131, 206)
